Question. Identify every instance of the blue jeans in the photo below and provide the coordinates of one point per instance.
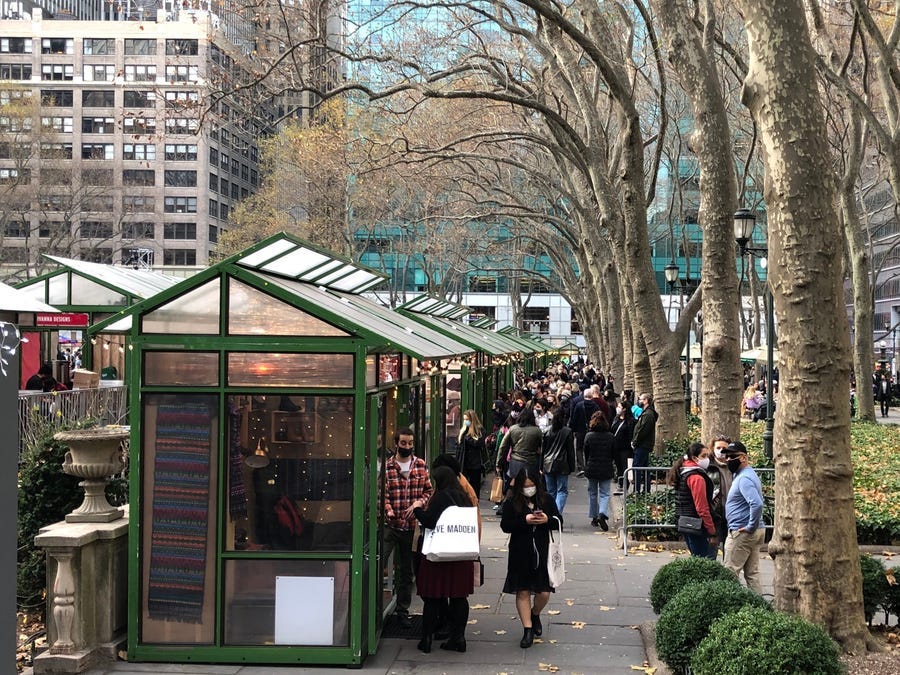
(698, 545)
(641, 478)
(598, 497)
(558, 488)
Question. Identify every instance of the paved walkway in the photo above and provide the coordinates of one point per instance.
(593, 626)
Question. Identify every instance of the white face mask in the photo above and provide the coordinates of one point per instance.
(703, 463)
(529, 491)
(467, 423)
(718, 452)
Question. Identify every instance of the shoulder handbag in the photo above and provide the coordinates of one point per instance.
(454, 537)
(556, 559)
(690, 525)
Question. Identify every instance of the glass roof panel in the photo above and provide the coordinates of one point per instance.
(194, 313)
(86, 292)
(58, 288)
(139, 283)
(395, 330)
(252, 312)
(266, 253)
(293, 258)
(297, 262)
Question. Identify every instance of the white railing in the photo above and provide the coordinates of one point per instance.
(41, 412)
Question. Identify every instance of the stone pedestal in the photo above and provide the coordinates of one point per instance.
(87, 600)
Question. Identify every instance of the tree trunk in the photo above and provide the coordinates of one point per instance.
(815, 522)
(711, 142)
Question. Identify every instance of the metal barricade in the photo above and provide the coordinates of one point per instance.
(648, 503)
(40, 413)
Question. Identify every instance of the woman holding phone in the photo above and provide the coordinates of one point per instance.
(528, 516)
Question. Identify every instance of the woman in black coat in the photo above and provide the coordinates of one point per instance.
(438, 580)
(623, 430)
(599, 469)
(528, 516)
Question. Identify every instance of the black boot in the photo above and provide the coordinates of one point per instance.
(458, 615)
(425, 644)
(527, 638)
(430, 611)
(536, 626)
(455, 644)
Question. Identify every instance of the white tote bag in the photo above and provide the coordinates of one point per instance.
(556, 559)
(454, 537)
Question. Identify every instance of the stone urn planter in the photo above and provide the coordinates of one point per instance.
(94, 455)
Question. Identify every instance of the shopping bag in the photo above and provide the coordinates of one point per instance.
(556, 559)
(478, 573)
(497, 490)
(454, 537)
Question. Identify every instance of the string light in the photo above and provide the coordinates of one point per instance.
(11, 340)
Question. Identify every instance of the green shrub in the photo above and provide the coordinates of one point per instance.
(672, 577)
(755, 640)
(875, 585)
(892, 597)
(686, 618)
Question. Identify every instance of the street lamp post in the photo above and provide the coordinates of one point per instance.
(671, 272)
(744, 223)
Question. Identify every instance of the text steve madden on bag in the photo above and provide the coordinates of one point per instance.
(454, 537)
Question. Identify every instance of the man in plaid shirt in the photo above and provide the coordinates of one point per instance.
(405, 481)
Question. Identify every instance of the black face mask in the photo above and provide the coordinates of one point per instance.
(734, 465)
(404, 452)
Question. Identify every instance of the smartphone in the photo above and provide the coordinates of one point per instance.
(537, 512)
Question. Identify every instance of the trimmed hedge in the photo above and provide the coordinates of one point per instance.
(875, 585)
(672, 577)
(686, 618)
(755, 640)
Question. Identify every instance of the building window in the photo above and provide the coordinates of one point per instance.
(138, 177)
(140, 73)
(98, 46)
(138, 204)
(98, 255)
(57, 46)
(137, 98)
(17, 230)
(138, 151)
(223, 187)
(139, 125)
(96, 229)
(15, 71)
(16, 124)
(254, 178)
(98, 177)
(56, 176)
(55, 151)
(214, 156)
(181, 151)
(15, 45)
(57, 71)
(213, 234)
(180, 205)
(225, 161)
(140, 47)
(235, 167)
(235, 191)
(244, 193)
(213, 208)
(181, 74)
(98, 125)
(57, 98)
(7, 96)
(99, 203)
(182, 99)
(52, 228)
(97, 151)
(182, 231)
(536, 319)
(15, 176)
(245, 172)
(179, 256)
(223, 212)
(180, 178)
(93, 98)
(139, 230)
(213, 182)
(182, 125)
(180, 47)
(61, 125)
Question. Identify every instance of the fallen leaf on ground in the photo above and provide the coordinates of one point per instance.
(547, 667)
(644, 669)
(553, 612)
(579, 625)
(480, 607)
(500, 632)
(570, 601)
(604, 608)
(553, 642)
(472, 622)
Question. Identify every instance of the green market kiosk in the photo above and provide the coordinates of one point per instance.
(264, 390)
